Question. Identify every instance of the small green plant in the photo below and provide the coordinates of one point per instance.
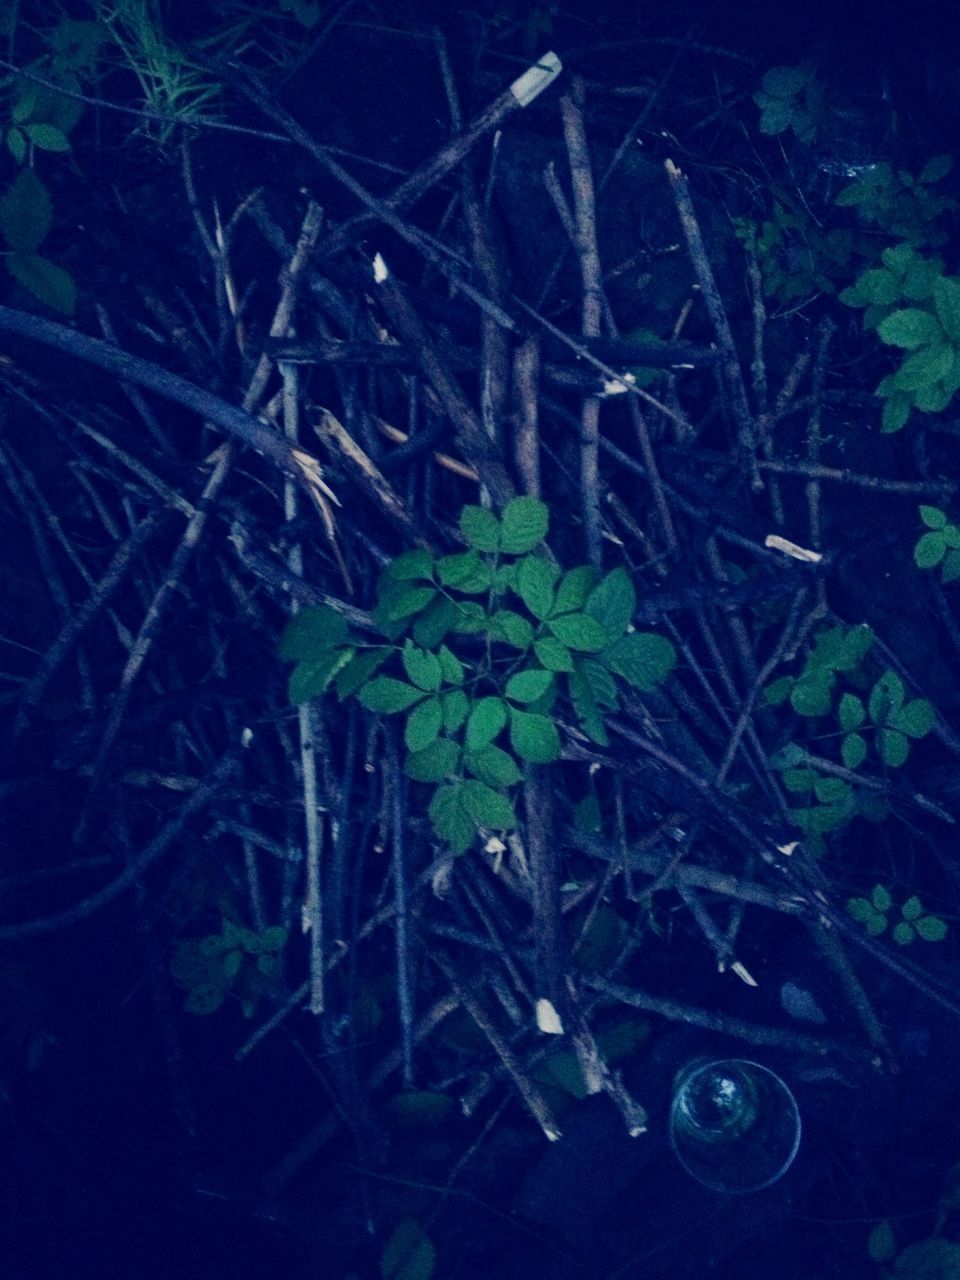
(912, 305)
(797, 257)
(902, 206)
(237, 960)
(791, 98)
(870, 713)
(939, 546)
(874, 914)
(482, 644)
(409, 1253)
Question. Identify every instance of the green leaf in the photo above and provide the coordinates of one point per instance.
(785, 82)
(946, 300)
(881, 898)
(204, 999)
(853, 750)
(433, 763)
(408, 1254)
(777, 691)
(861, 909)
(777, 115)
(450, 666)
(918, 283)
(468, 618)
(26, 213)
(811, 693)
(527, 686)
(612, 602)
(485, 721)
(47, 137)
(912, 909)
(273, 938)
(512, 628)
(879, 287)
(436, 620)
(359, 670)
(450, 820)
(17, 145)
(552, 654)
(534, 737)
(534, 585)
(886, 697)
(412, 600)
(487, 808)
(411, 566)
(931, 1259)
(896, 411)
(232, 962)
(579, 631)
(602, 684)
(423, 725)
(924, 367)
(524, 523)
(585, 705)
(894, 747)
(51, 284)
(851, 712)
(311, 631)
(643, 658)
(419, 1109)
(916, 719)
(575, 586)
(311, 677)
(494, 766)
(466, 571)
(935, 169)
(911, 327)
(950, 571)
(834, 791)
(455, 706)
(931, 928)
(386, 695)
(422, 668)
(903, 933)
(933, 517)
(799, 779)
(480, 528)
(587, 816)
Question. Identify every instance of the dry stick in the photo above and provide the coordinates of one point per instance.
(473, 441)
(211, 408)
(136, 867)
(815, 440)
(544, 864)
(70, 633)
(394, 783)
(159, 487)
(528, 1090)
(879, 484)
(588, 255)
(18, 480)
(160, 437)
(765, 419)
(730, 362)
(148, 628)
(526, 432)
(366, 473)
(752, 1032)
(597, 1074)
(312, 907)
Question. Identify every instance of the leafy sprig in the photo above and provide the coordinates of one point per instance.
(480, 647)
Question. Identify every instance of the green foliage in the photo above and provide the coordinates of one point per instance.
(868, 714)
(912, 305)
(902, 206)
(478, 680)
(797, 256)
(791, 98)
(237, 960)
(874, 914)
(939, 547)
(409, 1253)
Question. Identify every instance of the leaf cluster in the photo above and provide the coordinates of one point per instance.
(791, 98)
(235, 959)
(913, 305)
(870, 712)
(874, 913)
(483, 645)
(939, 546)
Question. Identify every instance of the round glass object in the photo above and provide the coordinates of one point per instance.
(734, 1124)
